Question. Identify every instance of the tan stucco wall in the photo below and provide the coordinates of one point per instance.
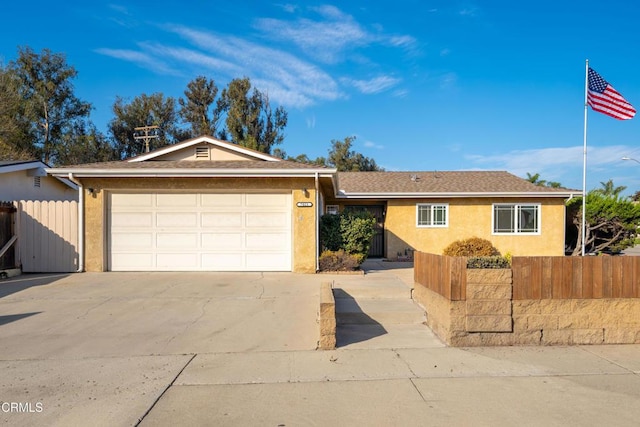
(303, 219)
(215, 153)
(472, 218)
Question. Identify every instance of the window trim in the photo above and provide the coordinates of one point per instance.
(516, 231)
(432, 206)
(332, 209)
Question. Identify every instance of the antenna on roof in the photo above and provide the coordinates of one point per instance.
(146, 134)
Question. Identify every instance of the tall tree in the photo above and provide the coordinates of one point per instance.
(85, 144)
(50, 106)
(197, 107)
(250, 119)
(612, 222)
(535, 179)
(608, 189)
(15, 141)
(344, 159)
(144, 110)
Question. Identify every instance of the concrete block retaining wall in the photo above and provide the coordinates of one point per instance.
(327, 318)
(490, 316)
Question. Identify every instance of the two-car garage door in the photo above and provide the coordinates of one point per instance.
(199, 232)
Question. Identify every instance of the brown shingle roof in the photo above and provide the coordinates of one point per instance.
(463, 182)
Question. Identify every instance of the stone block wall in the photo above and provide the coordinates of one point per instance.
(490, 316)
(327, 318)
(579, 321)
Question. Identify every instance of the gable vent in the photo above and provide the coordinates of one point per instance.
(36, 181)
(202, 153)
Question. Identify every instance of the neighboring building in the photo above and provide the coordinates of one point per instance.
(209, 205)
(28, 180)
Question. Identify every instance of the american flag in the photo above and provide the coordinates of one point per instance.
(602, 97)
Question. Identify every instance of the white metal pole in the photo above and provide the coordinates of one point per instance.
(584, 160)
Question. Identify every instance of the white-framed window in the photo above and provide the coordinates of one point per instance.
(432, 215)
(516, 218)
(333, 209)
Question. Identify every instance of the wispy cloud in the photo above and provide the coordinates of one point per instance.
(311, 122)
(550, 163)
(371, 144)
(325, 39)
(374, 85)
(295, 81)
(325, 34)
(448, 80)
(141, 59)
(469, 11)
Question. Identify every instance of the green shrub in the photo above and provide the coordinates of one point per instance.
(350, 232)
(488, 262)
(338, 261)
(330, 236)
(472, 247)
(357, 230)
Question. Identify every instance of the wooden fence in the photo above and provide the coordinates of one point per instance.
(590, 277)
(48, 236)
(444, 275)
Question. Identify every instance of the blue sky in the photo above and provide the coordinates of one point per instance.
(423, 85)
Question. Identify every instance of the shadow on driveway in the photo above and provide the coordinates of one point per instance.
(353, 324)
(13, 317)
(26, 281)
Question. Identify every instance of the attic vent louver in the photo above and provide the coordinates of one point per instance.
(202, 153)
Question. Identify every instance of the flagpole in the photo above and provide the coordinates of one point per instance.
(584, 160)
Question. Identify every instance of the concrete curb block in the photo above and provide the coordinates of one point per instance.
(327, 317)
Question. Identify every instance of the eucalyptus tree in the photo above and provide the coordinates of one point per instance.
(49, 107)
(144, 110)
(344, 159)
(250, 119)
(200, 109)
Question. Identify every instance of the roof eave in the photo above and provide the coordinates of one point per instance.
(564, 195)
(188, 173)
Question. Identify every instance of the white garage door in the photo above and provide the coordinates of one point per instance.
(199, 232)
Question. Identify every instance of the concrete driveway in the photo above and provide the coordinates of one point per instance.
(104, 346)
(174, 349)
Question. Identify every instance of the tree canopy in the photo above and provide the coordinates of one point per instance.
(611, 222)
(251, 121)
(341, 157)
(48, 108)
(144, 110)
(42, 118)
(199, 109)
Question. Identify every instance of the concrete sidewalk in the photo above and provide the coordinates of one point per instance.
(239, 349)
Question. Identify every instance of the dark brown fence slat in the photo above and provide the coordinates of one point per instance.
(546, 291)
(557, 274)
(596, 277)
(617, 277)
(635, 285)
(607, 277)
(587, 278)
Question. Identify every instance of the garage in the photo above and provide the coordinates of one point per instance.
(199, 231)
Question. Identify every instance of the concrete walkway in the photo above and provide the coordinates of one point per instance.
(207, 349)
